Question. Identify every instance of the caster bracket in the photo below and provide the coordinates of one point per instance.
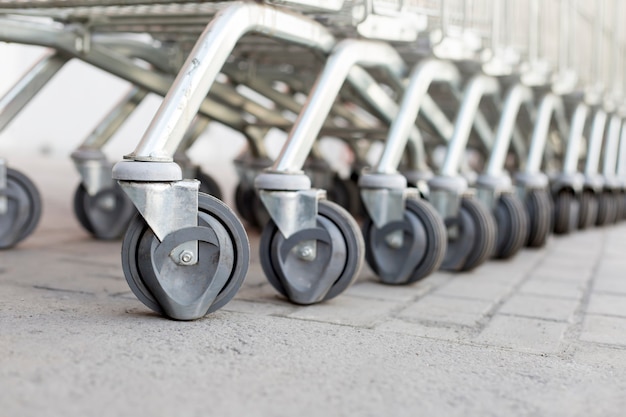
(168, 207)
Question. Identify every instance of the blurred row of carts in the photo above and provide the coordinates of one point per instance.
(495, 123)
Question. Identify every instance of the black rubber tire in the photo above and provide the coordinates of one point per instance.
(606, 209)
(540, 214)
(244, 197)
(208, 185)
(351, 235)
(345, 192)
(588, 209)
(512, 226)
(476, 239)
(103, 223)
(565, 218)
(403, 265)
(139, 231)
(23, 209)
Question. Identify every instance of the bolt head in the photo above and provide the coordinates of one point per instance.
(186, 257)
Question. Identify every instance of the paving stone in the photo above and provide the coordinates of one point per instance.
(555, 272)
(612, 285)
(439, 309)
(523, 334)
(611, 357)
(547, 308)
(265, 309)
(480, 289)
(347, 310)
(611, 271)
(421, 330)
(602, 329)
(379, 291)
(552, 288)
(608, 305)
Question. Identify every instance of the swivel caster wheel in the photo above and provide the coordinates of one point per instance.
(588, 213)
(106, 214)
(304, 278)
(250, 206)
(512, 226)
(540, 214)
(474, 240)
(423, 247)
(188, 292)
(606, 209)
(566, 211)
(208, 185)
(23, 209)
(345, 192)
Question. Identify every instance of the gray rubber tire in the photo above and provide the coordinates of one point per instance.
(330, 215)
(423, 249)
(476, 239)
(512, 225)
(565, 212)
(540, 214)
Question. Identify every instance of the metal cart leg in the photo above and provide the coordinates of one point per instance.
(471, 227)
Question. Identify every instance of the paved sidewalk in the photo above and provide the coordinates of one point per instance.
(543, 334)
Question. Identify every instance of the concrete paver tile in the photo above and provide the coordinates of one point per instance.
(551, 288)
(523, 334)
(346, 310)
(265, 309)
(612, 357)
(602, 329)
(607, 304)
(467, 287)
(547, 308)
(379, 291)
(433, 308)
(421, 330)
(611, 285)
(555, 272)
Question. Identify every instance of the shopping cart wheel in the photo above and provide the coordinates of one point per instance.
(345, 192)
(250, 206)
(606, 209)
(565, 212)
(620, 202)
(106, 214)
(422, 250)
(511, 224)
(588, 213)
(187, 292)
(23, 209)
(243, 197)
(475, 238)
(208, 185)
(306, 279)
(539, 206)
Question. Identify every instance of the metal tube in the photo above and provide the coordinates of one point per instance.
(207, 58)
(28, 86)
(422, 76)
(594, 148)
(621, 159)
(477, 87)
(307, 126)
(574, 140)
(33, 33)
(609, 163)
(540, 133)
(513, 102)
(595, 142)
(437, 118)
